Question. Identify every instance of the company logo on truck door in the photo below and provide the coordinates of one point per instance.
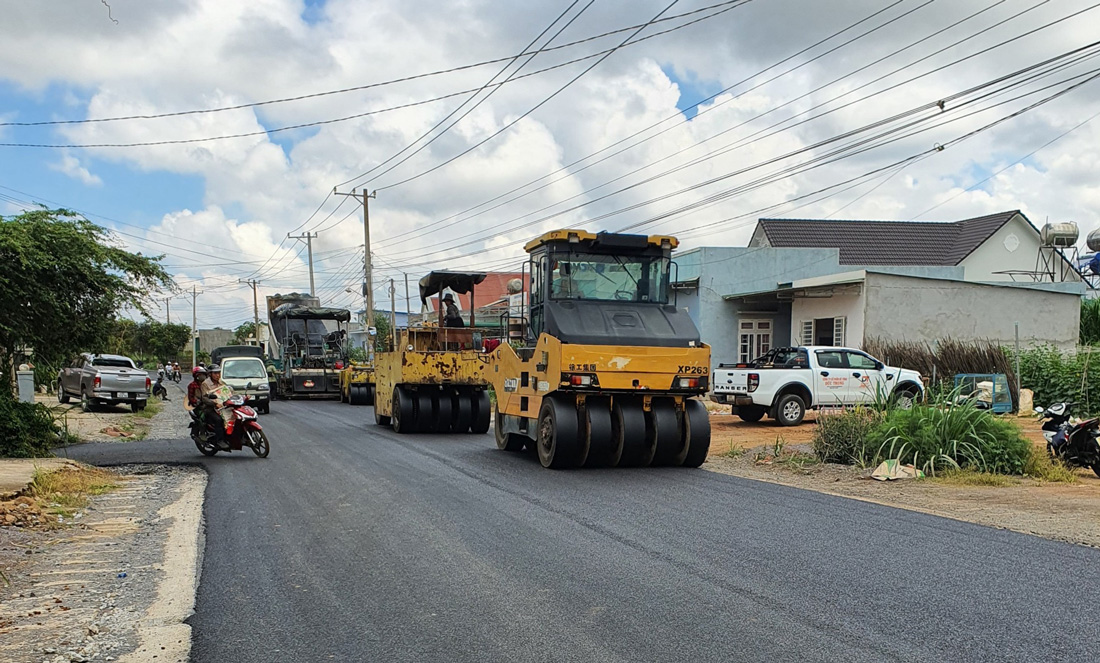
(582, 367)
(694, 370)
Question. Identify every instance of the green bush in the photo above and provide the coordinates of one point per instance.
(945, 436)
(27, 430)
(1057, 376)
(841, 437)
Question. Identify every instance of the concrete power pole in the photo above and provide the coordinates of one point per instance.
(256, 306)
(167, 311)
(368, 283)
(194, 326)
(308, 237)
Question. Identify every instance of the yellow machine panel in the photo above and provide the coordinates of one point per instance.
(357, 384)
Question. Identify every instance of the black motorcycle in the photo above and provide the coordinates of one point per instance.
(1074, 444)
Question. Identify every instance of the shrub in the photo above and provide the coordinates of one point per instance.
(841, 437)
(1044, 468)
(951, 436)
(1057, 376)
(27, 430)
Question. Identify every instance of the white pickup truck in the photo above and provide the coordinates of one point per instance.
(786, 382)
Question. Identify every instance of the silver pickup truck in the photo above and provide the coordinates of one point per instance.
(103, 380)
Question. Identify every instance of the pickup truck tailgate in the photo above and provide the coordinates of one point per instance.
(731, 381)
(128, 380)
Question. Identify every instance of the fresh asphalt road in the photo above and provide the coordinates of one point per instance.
(352, 543)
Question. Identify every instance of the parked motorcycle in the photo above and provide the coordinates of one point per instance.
(159, 390)
(241, 430)
(1075, 444)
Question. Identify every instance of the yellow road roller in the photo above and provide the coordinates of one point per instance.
(357, 383)
(608, 370)
(433, 381)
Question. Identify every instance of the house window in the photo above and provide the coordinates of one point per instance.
(755, 339)
(824, 331)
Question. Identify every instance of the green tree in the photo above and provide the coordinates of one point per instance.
(383, 331)
(63, 281)
(243, 332)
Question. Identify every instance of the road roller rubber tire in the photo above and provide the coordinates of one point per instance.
(425, 415)
(696, 433)
(370, 394)
(404, 411)
(441, 405)
(462, 411)
(628, 431)
(558, 433)
(663, 427)
(598, 449)
(480, 420)
(506, 441)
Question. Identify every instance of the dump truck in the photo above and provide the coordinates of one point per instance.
(309, 344)
(609, 371)
(433, 378)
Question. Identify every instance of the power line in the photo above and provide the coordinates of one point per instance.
(359, 87)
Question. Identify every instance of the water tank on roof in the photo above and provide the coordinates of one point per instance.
(1061, 235)
(1094, 240)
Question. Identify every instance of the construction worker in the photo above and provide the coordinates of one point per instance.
(451, 315)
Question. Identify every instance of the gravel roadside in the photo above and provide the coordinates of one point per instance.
(95, 591)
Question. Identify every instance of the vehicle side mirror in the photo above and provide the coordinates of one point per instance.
(879, 365)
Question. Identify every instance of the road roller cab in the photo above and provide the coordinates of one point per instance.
(433, 378)
(607, 369)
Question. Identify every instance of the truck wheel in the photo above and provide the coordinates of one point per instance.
(790, 410)
(905, 399)
(137, 407)
(85, 402)
(751, 413)
(62, 397)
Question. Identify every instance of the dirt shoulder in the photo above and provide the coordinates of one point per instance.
(1065, 512)
(107, 423)
(114, 582)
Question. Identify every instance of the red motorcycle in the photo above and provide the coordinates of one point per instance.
(242, 430)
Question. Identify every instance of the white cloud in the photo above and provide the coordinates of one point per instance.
(70, 165)
(205, 53)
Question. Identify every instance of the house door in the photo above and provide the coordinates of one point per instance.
(755, 339)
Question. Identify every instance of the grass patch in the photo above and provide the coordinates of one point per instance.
(967, 477)
(152, 409)
(733, 452)
(1041, 466)
(68, 489)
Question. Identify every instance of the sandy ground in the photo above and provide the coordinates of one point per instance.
(110, 423)
(1067, 512)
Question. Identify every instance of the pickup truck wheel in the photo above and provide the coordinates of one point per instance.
(790, 410)
(62, 397)
(905, 399)
(85, 402)
(137, 407)
(751, 413)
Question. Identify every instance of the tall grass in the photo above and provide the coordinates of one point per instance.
(945, 359)
(947, 434)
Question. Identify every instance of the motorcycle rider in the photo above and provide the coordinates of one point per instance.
(194, 390)
(212, 388)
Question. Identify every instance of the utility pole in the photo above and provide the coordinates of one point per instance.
(393, 315)
(368, 295)
(194, 326)
(308, 237)
(256, 307)
(167, 311)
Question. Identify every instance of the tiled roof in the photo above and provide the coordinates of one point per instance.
(887, 242)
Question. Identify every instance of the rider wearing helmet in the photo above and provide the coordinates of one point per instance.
(194, 390)
(211, 389)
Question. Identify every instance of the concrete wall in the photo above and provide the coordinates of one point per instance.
(916, 309)
(1014, 247)
(849, 306)
(214, 338)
